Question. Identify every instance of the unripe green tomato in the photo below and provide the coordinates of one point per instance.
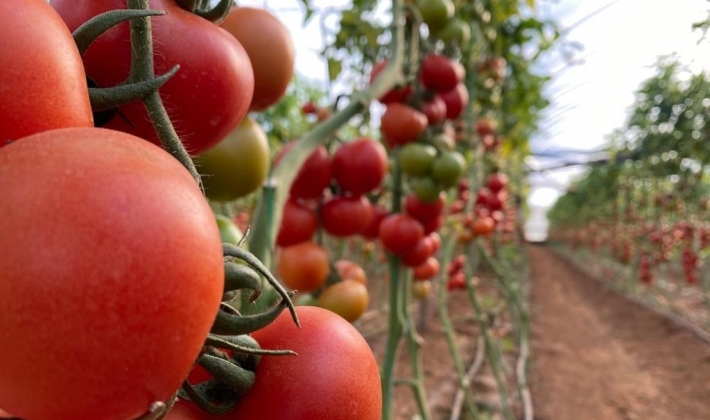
(416, 159)
(448, 168)
(456, 32)
(436, 13)
(236, 166)
(425, 188)
(229, 231)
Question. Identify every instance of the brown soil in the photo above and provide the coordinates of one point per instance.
(596, 355)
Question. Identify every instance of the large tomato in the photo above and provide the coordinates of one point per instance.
(314, 175)
(270, 49)
(209, 95)
(334, 376)
(43, 82)
(236, 166)
(304, 266)
(111, 238)
(298, 224)
(360, 166)
(345, 216)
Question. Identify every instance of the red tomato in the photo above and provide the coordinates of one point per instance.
(437, 241)
(402, 124)
(428, 270)
(43, 81)
(5, 415)
(345, 216)
(207, 98)
(394, 95)
(334, 376)
(431, 226)
(483, 226)
(372, 231)
(418, 256)
(456, 100)
(423, 211)
(435, 110)
(486, 126)
(298, 224)
(440, 73)
(348, 270)
(497, 182)
(314, 175)
(400, 233)
(360, 166)
(270, 49)
(304, 266)
(132, 250)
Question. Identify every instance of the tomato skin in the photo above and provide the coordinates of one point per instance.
(402, 124)
(304, 266)
(416, 159)
(423, 211)
(421, 289)
(394, 95)
(236, 166)
(314, 175)
(435, 110)
(208, 96)
(456, 100)
(334, 376)
(400, 233)
(270, 49)
(497, 182)
(436, 13)
(372, 231)
(298, 224)
(441, 73)
(348, 298)
(448, 168)
(428, 270)
(420, 253)
(132, 250)
(483, 226)
(44, 84)
(343, 216)
(360, 166)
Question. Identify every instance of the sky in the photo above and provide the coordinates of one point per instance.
(621, 40)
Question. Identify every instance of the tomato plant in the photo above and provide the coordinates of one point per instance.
(237, 165)
(132, 250)
(334, 375)
(208, 97)
(304, 266)
(44, 89)
(270, 49)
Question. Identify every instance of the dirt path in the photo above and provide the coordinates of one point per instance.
(597, 356)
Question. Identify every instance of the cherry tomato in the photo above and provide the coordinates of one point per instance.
(43, 80)
(132, 251)
(416, 159)
(348, 270)
(483, 226)
(431, 226)
(304, 266)
(436, 13)
(423, 211)
(441, 73)
(270, 49)
(428, 270)
(372, 231)
(448, 168)
(435, 110)
(236, 166)
(421, 289)
(486, 126)
(395, 95)
(457, 32)
(497, 182)
(206, 99)
(314, 175)
(298, 224)
(425, 188)
(334, 376)
(436, 238)
(400, 233)
(420, 253)
(360, 166)
(347, 298)
(402, 124)
(456, 100)
(345, 216)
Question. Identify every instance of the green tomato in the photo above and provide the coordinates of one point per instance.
(416, 159)
(238, 165)
(456, 32)
(448, 168)
(229, 232)
(425, 188)
(436, 13)
(306, 300)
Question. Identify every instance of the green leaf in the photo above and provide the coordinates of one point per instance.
(334, 68)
